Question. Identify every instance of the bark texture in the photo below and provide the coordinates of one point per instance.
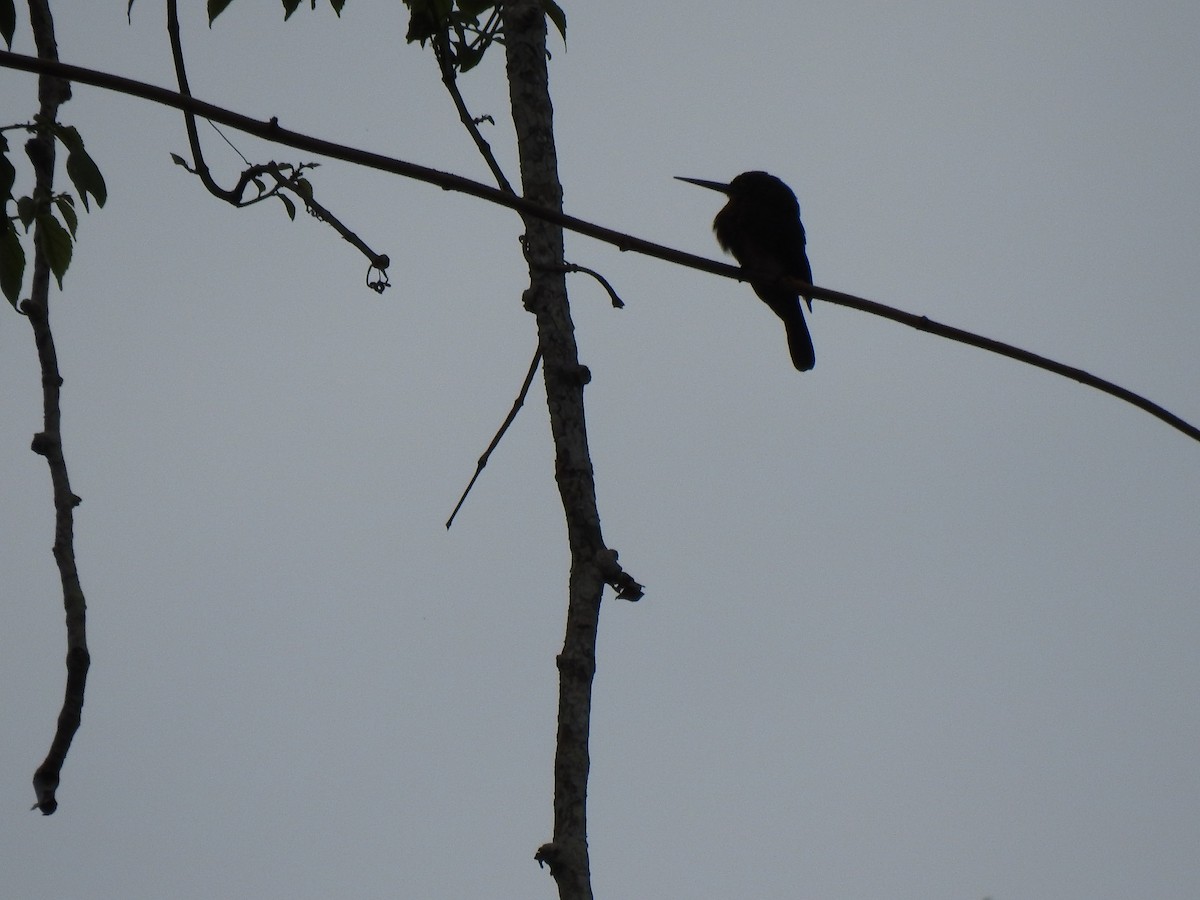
(546, 297)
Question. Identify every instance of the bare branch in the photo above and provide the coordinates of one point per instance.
(441, 52)
(272, 131)
(617, 302)
(189, 119)
(378, 261)
(236, 195)
(923, 323)
(512, 414)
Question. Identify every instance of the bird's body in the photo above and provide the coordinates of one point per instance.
(761, 227)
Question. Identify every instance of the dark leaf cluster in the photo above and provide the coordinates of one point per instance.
(8, 21)
(216, 7)
(54, 218)
(462, 30)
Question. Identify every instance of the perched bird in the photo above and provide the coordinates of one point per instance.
(760, 226)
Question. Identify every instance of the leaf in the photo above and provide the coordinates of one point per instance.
(473, 9)
(86, 177)
(25, 211)
(179, 160)
(12, 261)
(288, 205)
(215, 8)
(422, 22)
(337, 6)
(289, 7)
(8, 21)
(468, 57)
(54, 241)
(557, 16)
(81, 169)
(8, 172)
(66, 209)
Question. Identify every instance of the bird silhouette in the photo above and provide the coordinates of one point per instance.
(761, 227)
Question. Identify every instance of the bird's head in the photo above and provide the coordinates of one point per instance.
(758, 189)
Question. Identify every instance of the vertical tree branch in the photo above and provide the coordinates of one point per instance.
(591, 563)
(52, 93)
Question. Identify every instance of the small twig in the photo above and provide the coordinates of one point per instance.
(378, 260)
(512, 414)
(617, 302)
(569, 267)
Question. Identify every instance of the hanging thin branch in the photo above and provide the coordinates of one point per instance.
(52, 93)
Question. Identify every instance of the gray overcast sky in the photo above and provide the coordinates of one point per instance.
(921, 623)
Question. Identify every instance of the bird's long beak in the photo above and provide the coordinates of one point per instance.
(711, 185)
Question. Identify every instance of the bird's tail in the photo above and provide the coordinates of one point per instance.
(799, 340)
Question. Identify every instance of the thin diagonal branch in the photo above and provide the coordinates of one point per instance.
(923, 323)
(321, 213)
(272, 131)
(442, 52)
(512, 414)
(52, 93)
